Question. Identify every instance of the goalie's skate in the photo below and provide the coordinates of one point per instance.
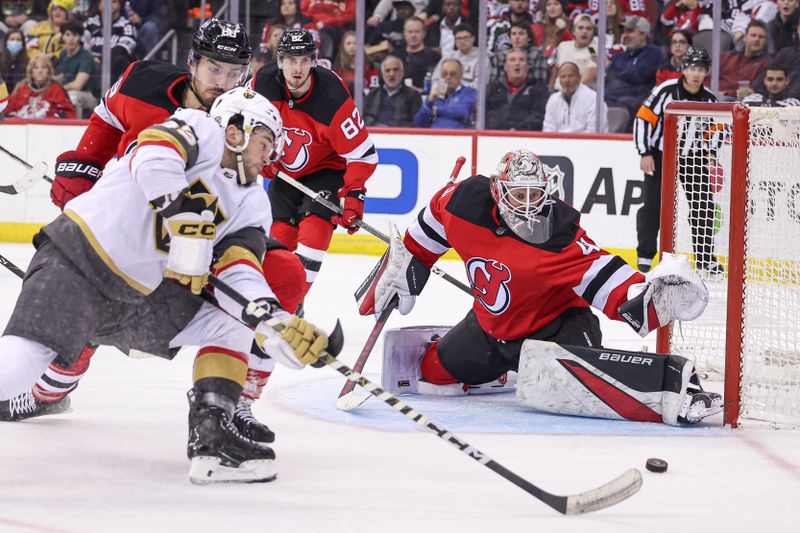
(220, 454)
(26, 406)
(699, 405)
(249, 426)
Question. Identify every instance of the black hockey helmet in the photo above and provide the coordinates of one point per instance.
(296, 42)
(697, 57)
(223, 41)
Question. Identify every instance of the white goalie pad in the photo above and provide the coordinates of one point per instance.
(552, 379)
(403, 349)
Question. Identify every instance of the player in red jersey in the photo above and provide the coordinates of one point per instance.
(147, 94)
(534, 274)
(327, 147)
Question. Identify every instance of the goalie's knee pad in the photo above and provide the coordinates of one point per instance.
(613, 384)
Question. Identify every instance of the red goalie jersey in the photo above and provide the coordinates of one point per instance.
(519, 287)
(324, 129)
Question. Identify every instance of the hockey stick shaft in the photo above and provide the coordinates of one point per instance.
(369, 345)
(32, 176)
(18, 159)
(609, 494)
(12, 267)
(457, 169)
(317, 197)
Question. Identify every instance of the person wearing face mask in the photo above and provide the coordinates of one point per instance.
(13, 59)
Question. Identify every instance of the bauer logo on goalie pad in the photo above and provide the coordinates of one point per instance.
(625, 358)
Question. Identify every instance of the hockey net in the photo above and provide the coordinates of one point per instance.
(731, 202)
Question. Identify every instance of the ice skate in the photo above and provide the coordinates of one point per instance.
(26, 406)
(249, 426)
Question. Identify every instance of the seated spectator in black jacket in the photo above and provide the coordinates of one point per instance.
(515, 101)
(392, 29)
(417, 58)
(393, 103)
(788, 58)
(782, 29)
(149, 17)
(774, 94)
(122, 39)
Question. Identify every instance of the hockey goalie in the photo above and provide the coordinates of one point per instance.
(534, 274)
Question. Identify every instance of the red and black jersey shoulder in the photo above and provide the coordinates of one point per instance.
(469, 203)
(321, 103)
(156, 83)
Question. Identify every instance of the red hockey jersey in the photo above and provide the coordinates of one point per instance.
(324, 129)
(146, 94)
(519, 287)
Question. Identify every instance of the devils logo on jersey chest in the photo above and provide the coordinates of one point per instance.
(489, 279)
(295, 151)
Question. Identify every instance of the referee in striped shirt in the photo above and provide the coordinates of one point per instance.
(648, 134)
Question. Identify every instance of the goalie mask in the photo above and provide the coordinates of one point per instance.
(519, 188)
(248, 110)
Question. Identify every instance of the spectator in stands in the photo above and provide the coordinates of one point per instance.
(46, 35)
(441, 35)
(260, 59)
(147, 16)
(573, 108)
(520, 36)
(578, 51)
(626, 8)
(746, 65)
(345, 64)
(515, 101)
(75, 67)
(393, 103)
(555, 24)
(383, 11)
(466, 54)
(3, 96)
(418, 59)
(123, 38)
(39, 95)
(615, 18)
(331, 18)
(392, 29)
(499, 27)
(268, 47)
(783, 28)
(776, 82)
(632, 74)
(679, 44)
(681, 15)
(788, 58)
(290, 16)
(449, 105)
(16, 15)
(13, 59)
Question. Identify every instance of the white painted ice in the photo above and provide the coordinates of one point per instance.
(117, 462)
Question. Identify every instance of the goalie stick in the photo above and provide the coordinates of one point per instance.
(613, 492)
(35, 173)
(349, 399)
(317, 197)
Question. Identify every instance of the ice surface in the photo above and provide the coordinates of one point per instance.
(117, 462)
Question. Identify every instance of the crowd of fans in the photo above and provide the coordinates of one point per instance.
(422, 60)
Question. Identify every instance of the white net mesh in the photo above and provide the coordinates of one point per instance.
(770, 318)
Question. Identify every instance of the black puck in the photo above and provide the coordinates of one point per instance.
(656, 465)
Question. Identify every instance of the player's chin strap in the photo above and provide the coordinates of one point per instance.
(241, 176)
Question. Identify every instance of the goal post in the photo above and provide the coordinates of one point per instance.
(731, 203)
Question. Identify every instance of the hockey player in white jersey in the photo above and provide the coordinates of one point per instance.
(184, 202)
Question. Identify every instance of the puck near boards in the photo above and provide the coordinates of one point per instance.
(657, 465)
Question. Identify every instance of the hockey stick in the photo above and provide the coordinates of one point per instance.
(604, 496)
(317, 197)
(457, 169)
(35, 173)
(12, 267)
(348, 398)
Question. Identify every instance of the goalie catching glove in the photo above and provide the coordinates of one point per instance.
(672, 291)
(397, 273)
(297, 344)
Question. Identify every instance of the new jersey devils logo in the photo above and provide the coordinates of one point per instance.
(489, 280)
(295, 151)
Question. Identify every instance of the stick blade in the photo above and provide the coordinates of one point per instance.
(32, 176)
(351, 400)
(611, 493)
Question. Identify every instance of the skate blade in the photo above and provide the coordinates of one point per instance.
(208, 470)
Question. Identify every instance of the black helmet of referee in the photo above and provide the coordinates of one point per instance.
(696, 57)
(296, 42)
(223, 41)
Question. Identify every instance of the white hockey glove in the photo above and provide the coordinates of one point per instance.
(397, 273)
(299, 342)
(673, 291)
(191, 248)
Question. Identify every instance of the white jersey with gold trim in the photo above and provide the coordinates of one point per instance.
(184, 152)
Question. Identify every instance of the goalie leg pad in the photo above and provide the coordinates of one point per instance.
(403, 349)
(591, 382)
